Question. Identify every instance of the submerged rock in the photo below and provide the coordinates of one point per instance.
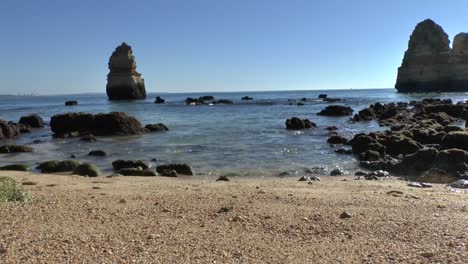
(179, 168)
(429, 65)
(15, 149)
(247, 98)
(159, 100)
(297, 124)
(336, 110)
(121, 164)
(71, 103)
(156, 127)
(33, 120)
(16, 167)
(123, 81)
(100, 153)
(114, 123)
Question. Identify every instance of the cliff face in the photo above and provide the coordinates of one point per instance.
(123, 81)
(430, 65)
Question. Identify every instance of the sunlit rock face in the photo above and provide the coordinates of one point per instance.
(123, 81)
(430, 65)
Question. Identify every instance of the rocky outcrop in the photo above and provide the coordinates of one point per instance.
(295, 123)
(33, 120)
(430, 65)
(336, 110)
(9, 130)
(114, 123)
(123, 81)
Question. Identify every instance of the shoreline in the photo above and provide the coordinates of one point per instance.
(196, 219)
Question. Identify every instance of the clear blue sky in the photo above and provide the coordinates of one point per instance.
(63, 46)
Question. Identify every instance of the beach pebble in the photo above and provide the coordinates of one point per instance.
(315, 178)
(459, 184)
(122, 201)
(222, 178)
(345, 215)
(304, 178)
(224, 210)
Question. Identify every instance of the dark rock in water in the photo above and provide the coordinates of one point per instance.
(300, 104)
(15, 149)
(202, 100)
(456, 139)
(87, 169)
(179, 168)
(34, 121)
(297, 124)
(100, 153)
(337, 140)
(322, 96)
(73, 156)
(16, 167)
(429, 65)
(331, 128)
(246, 98)
(332, 100)
(344, 151)
(71, 103)
(136, 172)
(89, 138)
(156, 127)
(52, 166)
(123, 81)
(223, 101)
(336, 110)
(121, 164)
(338, 172)
(303, 99)
(370, 155)
(9, 130)
(222, 178)
(114, 123)
(159, 100)
(168, 173)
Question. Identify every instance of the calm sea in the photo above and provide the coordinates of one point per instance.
(246, 138)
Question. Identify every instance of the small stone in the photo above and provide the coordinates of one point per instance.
(165, 210)
(262, 192)
(345, 215)
(427, 254)
(224, 210)
(122, 201)
(338, 172)
(223, 178)
(304, 178)
(29, 183)
(315, 178)
(237, 218)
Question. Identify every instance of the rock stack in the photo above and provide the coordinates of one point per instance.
(123, 81)
(430, 65)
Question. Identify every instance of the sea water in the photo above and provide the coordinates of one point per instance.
(245, 138)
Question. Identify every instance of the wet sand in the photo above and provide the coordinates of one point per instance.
(74, 219)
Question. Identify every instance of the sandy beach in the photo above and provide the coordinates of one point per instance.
(74, 219)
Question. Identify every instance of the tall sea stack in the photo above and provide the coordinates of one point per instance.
(430, 65)
(123, 81)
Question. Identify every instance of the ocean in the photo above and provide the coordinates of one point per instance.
(247, 138)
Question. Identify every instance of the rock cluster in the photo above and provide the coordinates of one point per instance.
(114, 123)
(430, 65)
(206, 100)
(421, 141)
(295, 123)
(123, 81)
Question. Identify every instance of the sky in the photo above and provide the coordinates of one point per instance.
(63, 46)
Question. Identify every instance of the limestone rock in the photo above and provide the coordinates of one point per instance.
(430, 65)
(123, 81)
